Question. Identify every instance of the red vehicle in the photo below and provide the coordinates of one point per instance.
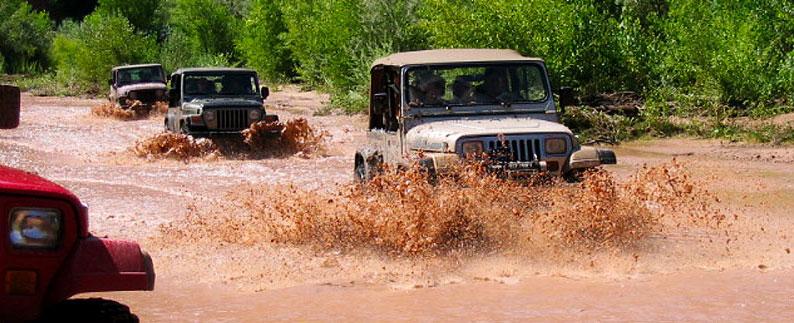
(48, 255)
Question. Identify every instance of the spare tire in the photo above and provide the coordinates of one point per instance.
(9, 107)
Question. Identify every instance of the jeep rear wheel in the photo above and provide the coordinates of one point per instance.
(91, 310)
(366, 169)
(361, 172)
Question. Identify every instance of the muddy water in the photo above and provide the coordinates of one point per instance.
(674, 277)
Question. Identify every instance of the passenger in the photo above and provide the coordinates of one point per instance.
(205, 87)
(233, 85)
(495, 87)
(124, 78)
(462, 92)
(432, 87)
(192, 86)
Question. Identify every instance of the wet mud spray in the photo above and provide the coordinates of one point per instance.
(400, 227)
(297, 137)
(135, 111)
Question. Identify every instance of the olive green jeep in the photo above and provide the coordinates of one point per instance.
(215, 101)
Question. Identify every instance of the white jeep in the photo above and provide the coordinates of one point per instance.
(444, 105)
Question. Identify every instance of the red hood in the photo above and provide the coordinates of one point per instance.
(15, 181)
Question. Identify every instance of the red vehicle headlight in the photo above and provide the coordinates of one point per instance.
(35, 228)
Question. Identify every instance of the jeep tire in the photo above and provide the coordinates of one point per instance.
(90, 310)
(9, 107)
(366, 168)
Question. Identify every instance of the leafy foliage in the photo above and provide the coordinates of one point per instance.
(85, 53)
(25, 38)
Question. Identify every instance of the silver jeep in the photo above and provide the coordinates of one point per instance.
(444, 105)
(130, 83)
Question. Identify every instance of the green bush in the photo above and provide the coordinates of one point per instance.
(146, 16)
(261, 42)
(736, 48)
(206, 28)
(333, 42)
(576, 41)
(85, 53)
(25, 38)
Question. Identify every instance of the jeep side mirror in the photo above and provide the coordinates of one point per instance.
(110, 82)
(265, 92)
(9, 107)
(567, 98)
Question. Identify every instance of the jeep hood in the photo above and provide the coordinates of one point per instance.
(123, 90)
(442, 135)
(15, 181)
(224, 102)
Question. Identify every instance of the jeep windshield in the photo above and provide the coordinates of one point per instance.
(140, 75)
(491, 87)
(220, 84)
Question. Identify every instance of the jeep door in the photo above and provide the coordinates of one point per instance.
(385, 122)
(174, 103)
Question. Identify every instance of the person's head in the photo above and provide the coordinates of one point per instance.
(204, 85)
(461, 88)
(495, 81)
(433, 87)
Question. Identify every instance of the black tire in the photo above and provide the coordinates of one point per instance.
(9, 107)
(366, 169)
(90, 310)
(361, 171)
(574, 176)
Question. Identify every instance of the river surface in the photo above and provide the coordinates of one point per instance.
(676, 279)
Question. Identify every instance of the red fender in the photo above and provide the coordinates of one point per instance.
(103, 265)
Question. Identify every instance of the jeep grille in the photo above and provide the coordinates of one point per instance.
(523, 149)
(232, 119)
(145, 96)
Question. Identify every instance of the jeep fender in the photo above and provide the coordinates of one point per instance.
(588, 157)
(103, 265)
(438, 162)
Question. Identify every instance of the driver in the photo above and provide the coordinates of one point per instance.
(433, 87)
(232, 84)
(495, 87)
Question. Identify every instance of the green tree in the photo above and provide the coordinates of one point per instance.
(261, 42)
(85, 53)
(146, 16)
(25, 37)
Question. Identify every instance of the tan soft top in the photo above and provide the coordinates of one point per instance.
(443, 56)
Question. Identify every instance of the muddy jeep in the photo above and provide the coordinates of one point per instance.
(212, 101)
(144, 83)
(449, 104)
(48, 255)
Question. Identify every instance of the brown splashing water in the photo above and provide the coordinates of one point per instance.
(402, 213)
(135, 111)
(296, 138)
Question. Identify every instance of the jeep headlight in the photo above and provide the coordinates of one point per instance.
(35, 228)
(209, 115)
(472, 148)
(254, 114)
(556, 146)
